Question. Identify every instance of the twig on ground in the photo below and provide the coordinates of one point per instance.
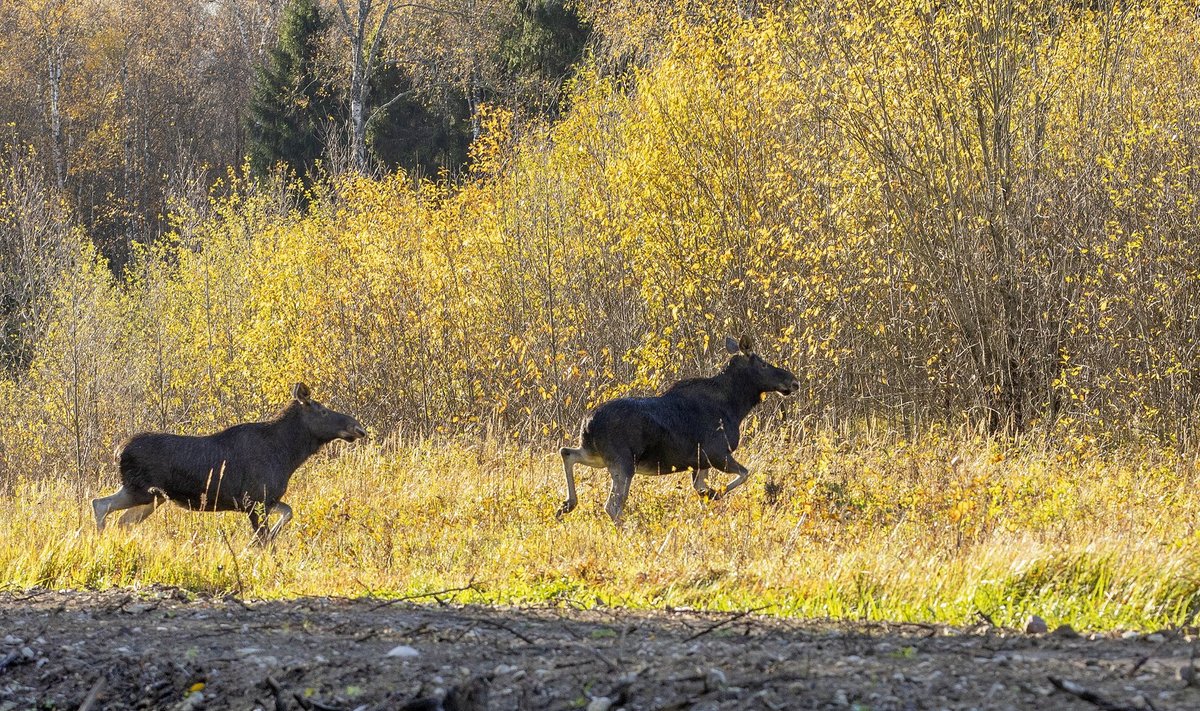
(1137, 665)
(722, 623)
(607, 662)
(32, 593)
(1085, 695)
(281, 702)
(237, 568)
(90, 700)
(418, 596)
(118, 605)
(502, 626)
(370, 593)
(677, 706)
(308, 703)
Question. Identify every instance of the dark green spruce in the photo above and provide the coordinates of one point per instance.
(291, 106)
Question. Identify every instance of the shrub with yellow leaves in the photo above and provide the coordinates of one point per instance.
(949, 219)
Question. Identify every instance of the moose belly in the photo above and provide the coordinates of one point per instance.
(655, 468)
(222, 501)
(668, 459)
(224, 490)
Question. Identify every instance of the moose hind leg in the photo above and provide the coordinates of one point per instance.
(570, 457)
(622, 476)
(137, 514)
(125, 498)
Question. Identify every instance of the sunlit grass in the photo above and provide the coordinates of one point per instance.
(936, 530)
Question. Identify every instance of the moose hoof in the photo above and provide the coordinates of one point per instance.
(566, 508)
(710, 494)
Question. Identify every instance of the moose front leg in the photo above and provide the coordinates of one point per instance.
(258, 521)
(285, 515)
(730, 465)
(700, 484)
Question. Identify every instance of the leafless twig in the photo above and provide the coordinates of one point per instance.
(418, 596)
(90, 700)
(722, 623)
(502, 626)
(1085, 695)
(237, 568)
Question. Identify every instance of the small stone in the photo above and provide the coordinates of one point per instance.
(1130, 635)
(600, 703)
(1156, 638)
(715, 679)
(403, 651)
(1035, 625)
(504, 669)
(840, 698)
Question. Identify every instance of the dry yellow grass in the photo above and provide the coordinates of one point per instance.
(935, 530)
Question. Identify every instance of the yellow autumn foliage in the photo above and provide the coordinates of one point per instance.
(934, 213)
(945, 217)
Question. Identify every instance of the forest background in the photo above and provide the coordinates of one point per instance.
(969, 228)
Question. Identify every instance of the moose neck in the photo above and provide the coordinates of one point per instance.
(739, 392)
(299, 441)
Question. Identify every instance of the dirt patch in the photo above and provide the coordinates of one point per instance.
(164, 649)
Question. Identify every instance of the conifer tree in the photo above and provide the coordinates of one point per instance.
(291, 103)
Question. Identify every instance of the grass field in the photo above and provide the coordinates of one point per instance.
(936, 530)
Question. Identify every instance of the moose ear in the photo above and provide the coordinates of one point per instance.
(746, 345)
(301, 393)
(731, 345)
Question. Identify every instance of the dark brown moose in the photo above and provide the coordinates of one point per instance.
(244, 468)
(694, 425)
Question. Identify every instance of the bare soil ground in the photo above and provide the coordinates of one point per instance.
(165, 649)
